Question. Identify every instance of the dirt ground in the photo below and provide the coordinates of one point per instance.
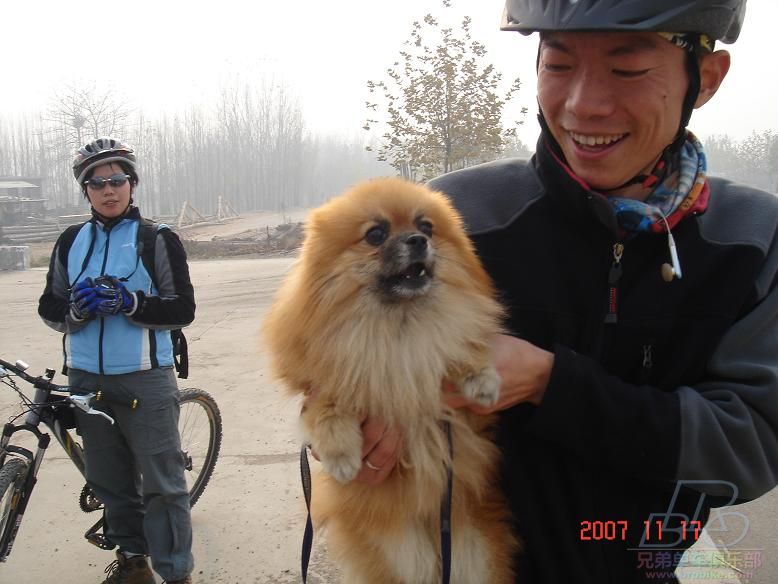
(254, 224)
(257, 220)
(248, 525)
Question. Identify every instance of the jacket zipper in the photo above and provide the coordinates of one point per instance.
(102, 320)
(644, 376)
(614, 275)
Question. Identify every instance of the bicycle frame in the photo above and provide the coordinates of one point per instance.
(51, 407)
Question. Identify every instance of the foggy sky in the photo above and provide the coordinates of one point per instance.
(165, 56)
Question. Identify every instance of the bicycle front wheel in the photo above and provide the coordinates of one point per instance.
(200, 426)
(12, 477)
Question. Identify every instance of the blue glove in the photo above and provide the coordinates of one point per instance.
(85, 301)
(113, 296)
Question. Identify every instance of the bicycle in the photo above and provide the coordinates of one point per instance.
(200, 426)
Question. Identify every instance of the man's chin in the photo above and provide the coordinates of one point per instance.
(601, 181)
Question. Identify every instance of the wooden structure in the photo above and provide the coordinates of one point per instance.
(191, 217)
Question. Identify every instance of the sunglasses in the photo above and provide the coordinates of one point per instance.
(98, 182)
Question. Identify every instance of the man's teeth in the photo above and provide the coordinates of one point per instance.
(603, 140)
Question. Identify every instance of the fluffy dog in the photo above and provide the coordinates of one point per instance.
(388, 299)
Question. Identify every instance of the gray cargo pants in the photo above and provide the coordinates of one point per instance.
(136, 467)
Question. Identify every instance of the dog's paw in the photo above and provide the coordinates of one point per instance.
(339, 446)
(482, 387)
(343, 467)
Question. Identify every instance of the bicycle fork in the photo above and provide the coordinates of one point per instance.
(20, 500)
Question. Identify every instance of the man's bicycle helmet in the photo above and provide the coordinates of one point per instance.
(718, 19)
(101, 151)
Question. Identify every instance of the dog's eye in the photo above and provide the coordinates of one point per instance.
(425, 227)
(376, 235)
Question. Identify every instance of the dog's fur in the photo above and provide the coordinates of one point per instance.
(375, 327)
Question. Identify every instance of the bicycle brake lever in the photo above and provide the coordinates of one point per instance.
(99, 413)
(82, 403)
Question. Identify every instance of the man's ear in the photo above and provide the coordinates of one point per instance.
(713, 68)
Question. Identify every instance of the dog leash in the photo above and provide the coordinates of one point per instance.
(445, 512)
(305, 474)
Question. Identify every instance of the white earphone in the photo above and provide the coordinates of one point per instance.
(671, 271)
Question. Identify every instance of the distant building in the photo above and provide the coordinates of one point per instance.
(20, 198)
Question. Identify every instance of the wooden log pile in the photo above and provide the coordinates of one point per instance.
(44, 231)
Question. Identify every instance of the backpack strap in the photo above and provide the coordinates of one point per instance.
(147, 238)
(145, 245)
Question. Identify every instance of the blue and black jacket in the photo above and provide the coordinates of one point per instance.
(123, 343)
(656, 413)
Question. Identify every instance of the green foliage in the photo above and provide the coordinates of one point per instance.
(442, 103)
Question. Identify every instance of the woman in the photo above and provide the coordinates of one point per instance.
(116, 319)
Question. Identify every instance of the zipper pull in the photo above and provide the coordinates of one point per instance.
(615, 271)
(648, 358)
(611, 317)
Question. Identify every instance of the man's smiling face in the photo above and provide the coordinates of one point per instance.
(612, 101)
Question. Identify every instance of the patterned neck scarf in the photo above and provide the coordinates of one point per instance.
(683, 191)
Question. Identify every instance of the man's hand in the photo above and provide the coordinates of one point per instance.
(381, 446)
(524, 369)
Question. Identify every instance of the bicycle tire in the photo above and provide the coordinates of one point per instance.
(12, 477)
(200, 442)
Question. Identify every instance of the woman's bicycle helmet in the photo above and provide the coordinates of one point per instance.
(101, 151)
(718, 19)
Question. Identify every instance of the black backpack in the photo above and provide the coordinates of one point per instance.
(147, 238)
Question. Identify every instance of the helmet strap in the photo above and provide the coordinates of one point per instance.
(693, 91)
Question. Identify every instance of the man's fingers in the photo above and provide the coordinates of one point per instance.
(456, 400)
(381, 447)
(373, 431)
(385, 452)
(449, 387)
(379, 463)
(380, 451)
(374, 477)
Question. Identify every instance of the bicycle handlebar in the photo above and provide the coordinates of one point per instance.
(78, 397)
(40, 382)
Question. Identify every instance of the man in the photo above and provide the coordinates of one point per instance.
(640, 379)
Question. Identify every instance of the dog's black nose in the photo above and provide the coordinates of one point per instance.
(416, 242)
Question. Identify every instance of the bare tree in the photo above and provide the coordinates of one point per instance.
(252, 148)
(80, 112)
(753, 160)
